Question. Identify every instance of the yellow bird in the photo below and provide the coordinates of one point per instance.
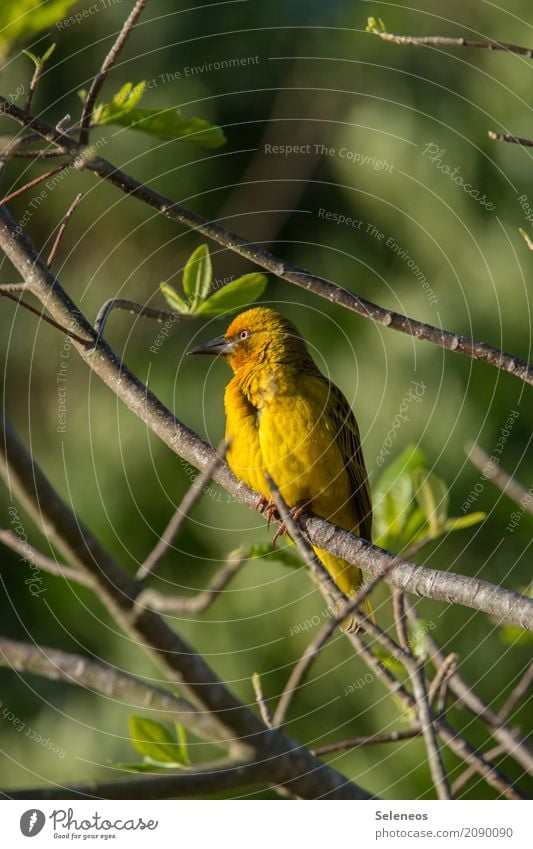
(284, 417)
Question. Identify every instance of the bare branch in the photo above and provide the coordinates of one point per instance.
(445, 41)
(202, 780)
(439, 684)
(107, 64)
(132, 307)
(62, 228)
(371, 739)
(508, 137)
(176, 523)
(32, 184)
(493, 471)
(284, 270)
(6, 292)
(261, 701)
(506, 605)
(42, 561)
(520, 690)
(200, 602)
(101, 678)
(470, 771)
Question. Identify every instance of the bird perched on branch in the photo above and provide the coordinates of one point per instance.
(284, 418)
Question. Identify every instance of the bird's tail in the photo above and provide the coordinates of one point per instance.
(349, 580)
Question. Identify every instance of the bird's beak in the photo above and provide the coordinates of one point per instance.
(218, 346)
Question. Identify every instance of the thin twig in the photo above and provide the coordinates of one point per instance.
(493, 472)
(520, 690)
(203, 600)
(470, 771)
(5, 292)
(261, 701)
(132, 307)
(445, 41)
(62, 228)
(400, 619)
(180, 515)
(106, 66)
(31, 184)
(371, 739)
(510, 138)
(39, 559)
(527, 239)
(280, 268)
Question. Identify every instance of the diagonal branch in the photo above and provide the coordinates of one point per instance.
(506, 605)
(280, 268)
(107, 64)
(493, 472)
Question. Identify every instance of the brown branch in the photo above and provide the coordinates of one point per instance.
(493, 472)
(508, 137)
(202, 780)
(261, 701)
(203, 600)
(283, 760)
(176, 523)
(32, 184)
(106, 66)
(47, 564)
(510, 738)
(371, 739)
(439, 684)
(6, 292)
(469, 772)
(449, 587)
(131, 307)
(56, 665)
(518, 692)
(62, 228)
(280, 268)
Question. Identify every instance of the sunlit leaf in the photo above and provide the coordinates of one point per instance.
(197, 275)
(393, 496)
(432, 496)
(457, 523)
(514, 635)
(234, 296)
(175, 301)
(40, 61)
(264, 551)
(181, 734)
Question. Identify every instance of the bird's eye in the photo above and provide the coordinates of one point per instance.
(244, 334)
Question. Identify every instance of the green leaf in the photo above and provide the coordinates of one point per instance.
(40, 61)
(457, 523)
(393, 496)
(154, 741)
(432, 495)
(21, 19)
(172, 298)
(197, 275)
(375, 25)
(167, 123)
(514, 635)
(234, 296)
(182, 741)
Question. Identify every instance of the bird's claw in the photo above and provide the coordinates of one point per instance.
(281, 529)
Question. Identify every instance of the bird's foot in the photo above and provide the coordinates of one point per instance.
(268, 508)
(280, 530)
(295, 513)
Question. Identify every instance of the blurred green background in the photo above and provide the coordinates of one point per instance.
(312, 77)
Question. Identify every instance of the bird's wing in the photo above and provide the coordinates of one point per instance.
(349, 443)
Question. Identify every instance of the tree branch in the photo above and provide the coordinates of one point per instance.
(493, 472)
(284, 270)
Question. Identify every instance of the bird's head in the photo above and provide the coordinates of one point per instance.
(260, 335)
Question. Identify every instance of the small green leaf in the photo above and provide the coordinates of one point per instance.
(264, 551)
(172, 298)
(234, 296)
(21, 19)
(182, 741)
(153, 740)
(459, 522)
(40, 62)
(375, 25)
(197, 275)
(393, 497)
